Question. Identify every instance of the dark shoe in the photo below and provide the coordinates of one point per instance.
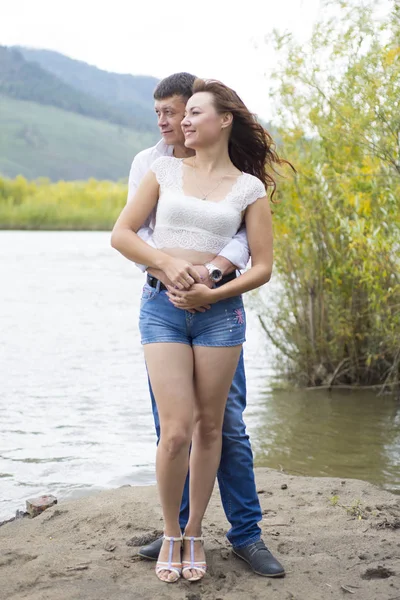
(151, 551)
(260, 559)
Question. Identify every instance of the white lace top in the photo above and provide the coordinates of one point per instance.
(189, 222)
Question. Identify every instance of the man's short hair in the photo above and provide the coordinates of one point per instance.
(178, 84)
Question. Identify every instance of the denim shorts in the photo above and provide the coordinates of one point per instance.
(224, 324)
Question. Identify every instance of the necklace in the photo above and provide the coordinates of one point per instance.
(203, 195)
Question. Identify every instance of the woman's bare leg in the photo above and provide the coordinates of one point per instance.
(170, 368)
(214, 369)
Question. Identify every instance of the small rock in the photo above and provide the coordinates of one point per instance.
(225, 553)
(260, 491)
(109, 546)
(35, 506)
(284, 486)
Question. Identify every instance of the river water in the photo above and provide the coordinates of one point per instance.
(74, 407)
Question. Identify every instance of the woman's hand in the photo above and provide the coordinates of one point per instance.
(181, 273)
(199, 295)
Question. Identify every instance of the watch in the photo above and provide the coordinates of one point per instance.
(214, 273)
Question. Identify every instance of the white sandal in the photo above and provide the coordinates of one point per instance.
(198, 565)
(170, 566)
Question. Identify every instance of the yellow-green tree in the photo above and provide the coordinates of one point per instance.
(338, 225)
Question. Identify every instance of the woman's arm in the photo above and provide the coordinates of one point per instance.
(125, 239)
(258, 221)
(260, 237)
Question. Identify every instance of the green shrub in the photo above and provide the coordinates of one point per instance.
(337, 228)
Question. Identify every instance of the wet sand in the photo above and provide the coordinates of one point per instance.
(336, 538)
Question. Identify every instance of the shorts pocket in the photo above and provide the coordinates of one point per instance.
(148, 293)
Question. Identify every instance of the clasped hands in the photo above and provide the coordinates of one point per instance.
(190, 287)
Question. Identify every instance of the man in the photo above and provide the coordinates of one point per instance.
(235, 474)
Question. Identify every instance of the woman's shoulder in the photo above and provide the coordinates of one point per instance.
(165, 165)
(254, 188)
(166, 160)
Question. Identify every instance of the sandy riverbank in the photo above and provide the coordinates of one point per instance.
(86, 549)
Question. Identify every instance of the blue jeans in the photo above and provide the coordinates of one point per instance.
(235, 473)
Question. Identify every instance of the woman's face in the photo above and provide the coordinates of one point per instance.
(202, 125)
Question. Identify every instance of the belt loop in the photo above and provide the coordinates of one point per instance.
(158, 286)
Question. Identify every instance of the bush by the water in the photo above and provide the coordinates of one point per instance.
(337, 227)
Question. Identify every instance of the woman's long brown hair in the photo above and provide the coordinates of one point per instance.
(251, 148)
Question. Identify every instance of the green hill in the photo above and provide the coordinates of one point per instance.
(131, 95)
(52, 127)
(26, 80)
(38, 140)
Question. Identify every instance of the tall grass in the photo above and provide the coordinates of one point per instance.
(81, 205)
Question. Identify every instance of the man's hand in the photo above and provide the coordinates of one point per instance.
(181, 273)
(204, 274)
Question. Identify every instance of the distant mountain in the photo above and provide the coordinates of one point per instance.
(45, 141)
(132, 95)
(29, 81)
(53, 128)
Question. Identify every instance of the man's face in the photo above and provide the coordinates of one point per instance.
(170, 113)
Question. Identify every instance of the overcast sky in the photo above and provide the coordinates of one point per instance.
(210, 38)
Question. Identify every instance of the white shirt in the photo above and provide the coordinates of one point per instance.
(236, 251)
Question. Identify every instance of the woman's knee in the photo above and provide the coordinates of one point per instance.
(208, 430)
(174, 441)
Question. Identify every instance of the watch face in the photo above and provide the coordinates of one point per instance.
(216, 275)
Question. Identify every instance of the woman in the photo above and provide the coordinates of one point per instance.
(191, 355)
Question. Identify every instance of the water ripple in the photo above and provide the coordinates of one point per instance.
(74, 401)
